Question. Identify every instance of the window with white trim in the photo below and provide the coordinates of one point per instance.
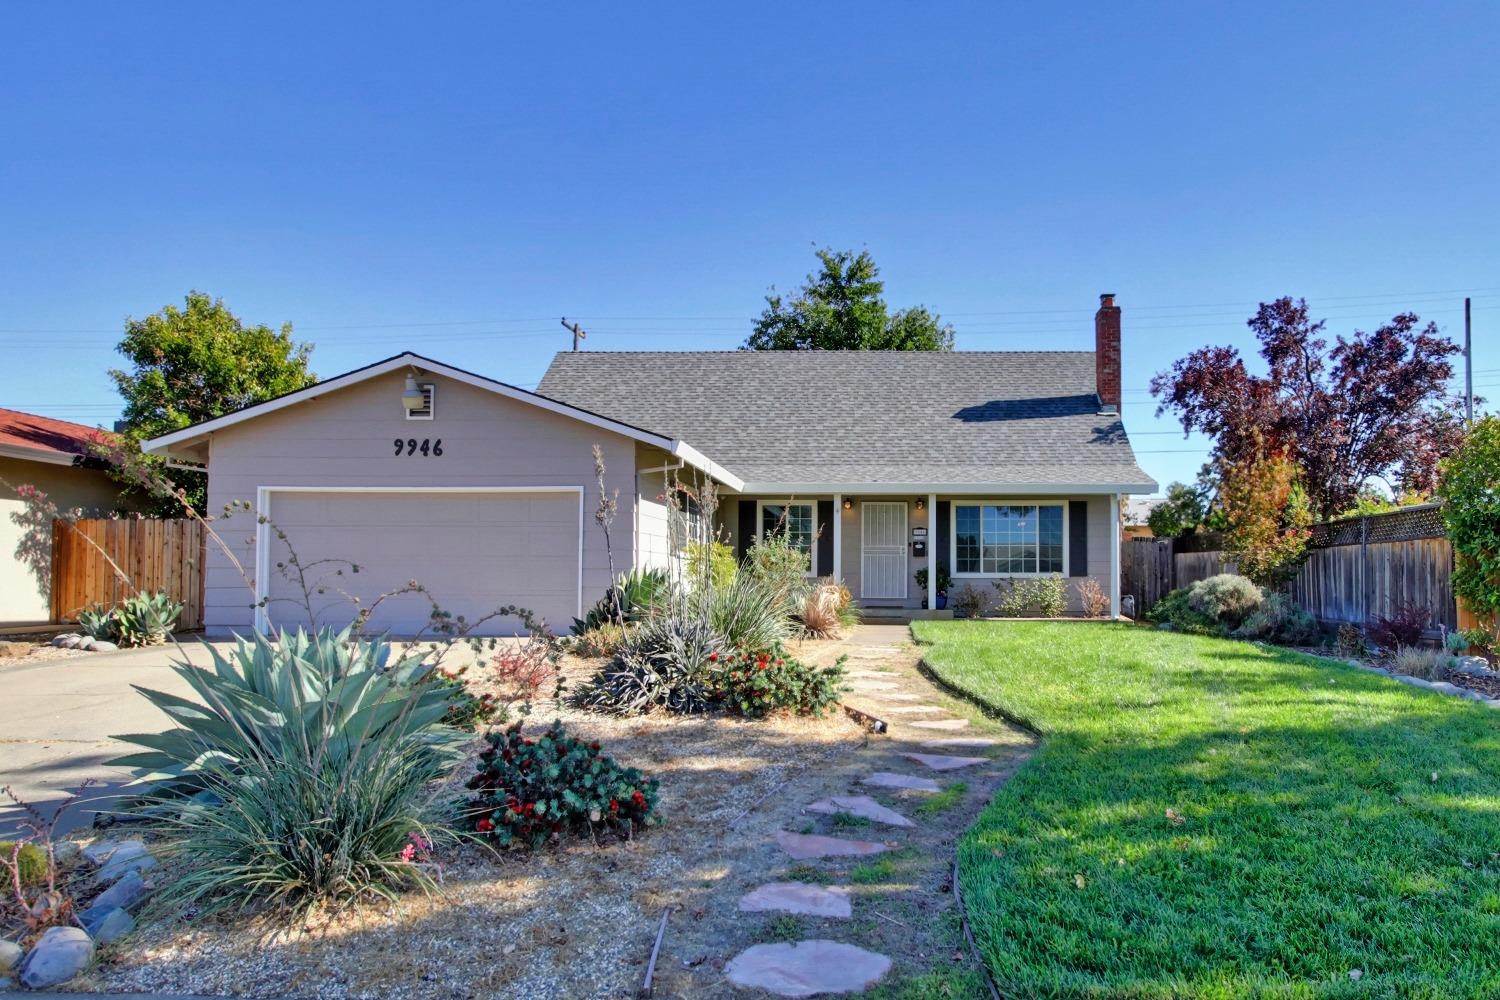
(1006, 539)
(796, 521)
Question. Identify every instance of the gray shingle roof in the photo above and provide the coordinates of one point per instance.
(803, 418)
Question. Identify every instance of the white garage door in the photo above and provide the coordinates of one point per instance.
(473, 551)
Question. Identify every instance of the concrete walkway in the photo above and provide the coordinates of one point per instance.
(60, 713)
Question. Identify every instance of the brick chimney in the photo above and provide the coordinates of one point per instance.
(1107, 353)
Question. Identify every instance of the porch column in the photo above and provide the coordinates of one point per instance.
(932, 559)
(1114, 555)
(838, 537)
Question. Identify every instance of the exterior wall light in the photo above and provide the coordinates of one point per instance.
(848, 503)
(412, 397)
(921, 503)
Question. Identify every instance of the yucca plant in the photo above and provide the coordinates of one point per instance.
(750, 612)
(308, 764)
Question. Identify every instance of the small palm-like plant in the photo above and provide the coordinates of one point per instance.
(301, 774)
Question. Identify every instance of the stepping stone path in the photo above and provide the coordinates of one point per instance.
(905, 782)
(910, 709)
(807, 846)
(806, 968)
(960, 742)
(798, 897)
(940, 724)
(943, 762)
(898, 696)
(871, 674)
(862, 806)
(864, 685)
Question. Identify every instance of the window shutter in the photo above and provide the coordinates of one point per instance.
(940, 544)
(1078, 538)
(825, 537)
(745, 537)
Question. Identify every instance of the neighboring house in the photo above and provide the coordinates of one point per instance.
(987, 464)
(1137, 512)
(49, 455)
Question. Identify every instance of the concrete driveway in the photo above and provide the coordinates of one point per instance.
(58, 715)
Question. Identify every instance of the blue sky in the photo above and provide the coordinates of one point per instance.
(454, 178)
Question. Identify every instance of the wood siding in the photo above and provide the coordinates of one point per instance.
(148, 555)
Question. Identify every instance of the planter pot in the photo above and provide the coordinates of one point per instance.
(924, 604)
(942, 602)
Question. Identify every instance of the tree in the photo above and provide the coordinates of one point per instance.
(1265, 516)
(1182, 511)
(840, 308)
(199, 362)
(1373, 406)
(1470, 488)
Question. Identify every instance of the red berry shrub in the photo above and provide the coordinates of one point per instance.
(531, 791)
(757, 683)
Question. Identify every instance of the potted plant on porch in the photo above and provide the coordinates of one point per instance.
(944, 581)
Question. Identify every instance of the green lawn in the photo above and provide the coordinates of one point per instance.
(1322, 820)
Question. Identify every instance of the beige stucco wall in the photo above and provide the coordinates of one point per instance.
(1099, 540)
(346, 439)
(25, 549)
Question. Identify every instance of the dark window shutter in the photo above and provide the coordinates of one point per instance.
(939, 544)
(1078, 538)
(745, 537)
(825, 537)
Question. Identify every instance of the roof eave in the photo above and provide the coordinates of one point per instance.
(45, 455)
(965, 489)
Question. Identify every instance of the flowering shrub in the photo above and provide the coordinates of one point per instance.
(466, 710)
(757, 683)
(523, 670)
(530, 791)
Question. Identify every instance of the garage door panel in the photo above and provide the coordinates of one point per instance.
(473, 551)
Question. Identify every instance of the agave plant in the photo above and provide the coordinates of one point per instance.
(145, 619)
(665, 663)
(636, 593)
(307, 767)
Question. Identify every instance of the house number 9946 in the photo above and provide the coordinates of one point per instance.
(411, 446)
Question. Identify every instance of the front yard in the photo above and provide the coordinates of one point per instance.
(1210, 818)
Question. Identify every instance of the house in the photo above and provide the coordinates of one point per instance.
(51, 456)
(983, 464)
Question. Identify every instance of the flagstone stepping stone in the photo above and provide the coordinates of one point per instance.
(943, 762)
(797, 897)
(960, 742)
(909, 782)
(910, 709)
(806, 968)
(898, 696)
(863, 685)
(862, 806)
(940, 724)
(872, 674)
(807, 846)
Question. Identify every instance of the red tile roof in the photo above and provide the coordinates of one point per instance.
(28, 430)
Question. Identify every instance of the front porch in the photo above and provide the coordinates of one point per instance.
(904, 554)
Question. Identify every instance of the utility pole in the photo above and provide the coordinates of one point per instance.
(577, 332)
(1468, 363)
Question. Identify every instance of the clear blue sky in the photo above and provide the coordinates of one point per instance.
(453, 178)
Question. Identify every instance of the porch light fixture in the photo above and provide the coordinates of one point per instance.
(848, 503)
(921, 503)
(412, 397)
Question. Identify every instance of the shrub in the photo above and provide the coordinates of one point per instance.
(969, 602)
(524, 669)
(1092, 598)
(1281, 620)
(1176, 610)
(820, 610)
(637, 592)
(1350, 640)
(1430, 664)
(1227, 598)
(750, 612)
(1046, 596)
(944, 580)
(601, 640)
(1480, 638)
(1456, 642)
(1402, 627)
(146, 619)
(713, 562)
(531, 791)
(30, 861)
(664, 663)
(319, 754)
(466, 710)
(760, 683)
(1471, 514)
(779, 565)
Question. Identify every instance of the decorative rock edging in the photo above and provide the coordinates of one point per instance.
(83, 643)
(1441, 687)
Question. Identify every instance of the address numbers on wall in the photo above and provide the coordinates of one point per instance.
(426, 446)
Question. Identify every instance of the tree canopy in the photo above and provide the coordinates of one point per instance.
(841, 308)
(1470, 487)
(1371, 406)
(1182, 511)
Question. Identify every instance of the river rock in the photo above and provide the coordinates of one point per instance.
(61, 954)
(1474, 666)
(103, 646)
(125, 893)
(10, 955)
(101, 851)
(107, 926)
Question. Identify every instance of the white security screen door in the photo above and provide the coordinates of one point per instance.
(882, 550)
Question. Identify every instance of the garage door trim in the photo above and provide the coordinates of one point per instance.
(263, 529)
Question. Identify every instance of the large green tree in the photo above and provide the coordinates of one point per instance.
(200, 361)
(841, 308)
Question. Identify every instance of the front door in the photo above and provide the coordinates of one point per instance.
(882, 558)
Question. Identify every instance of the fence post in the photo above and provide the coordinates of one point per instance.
(1364, 569)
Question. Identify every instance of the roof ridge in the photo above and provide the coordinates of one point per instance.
(816, 353)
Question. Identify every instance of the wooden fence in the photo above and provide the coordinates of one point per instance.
(1357, 569)
(152, 554)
